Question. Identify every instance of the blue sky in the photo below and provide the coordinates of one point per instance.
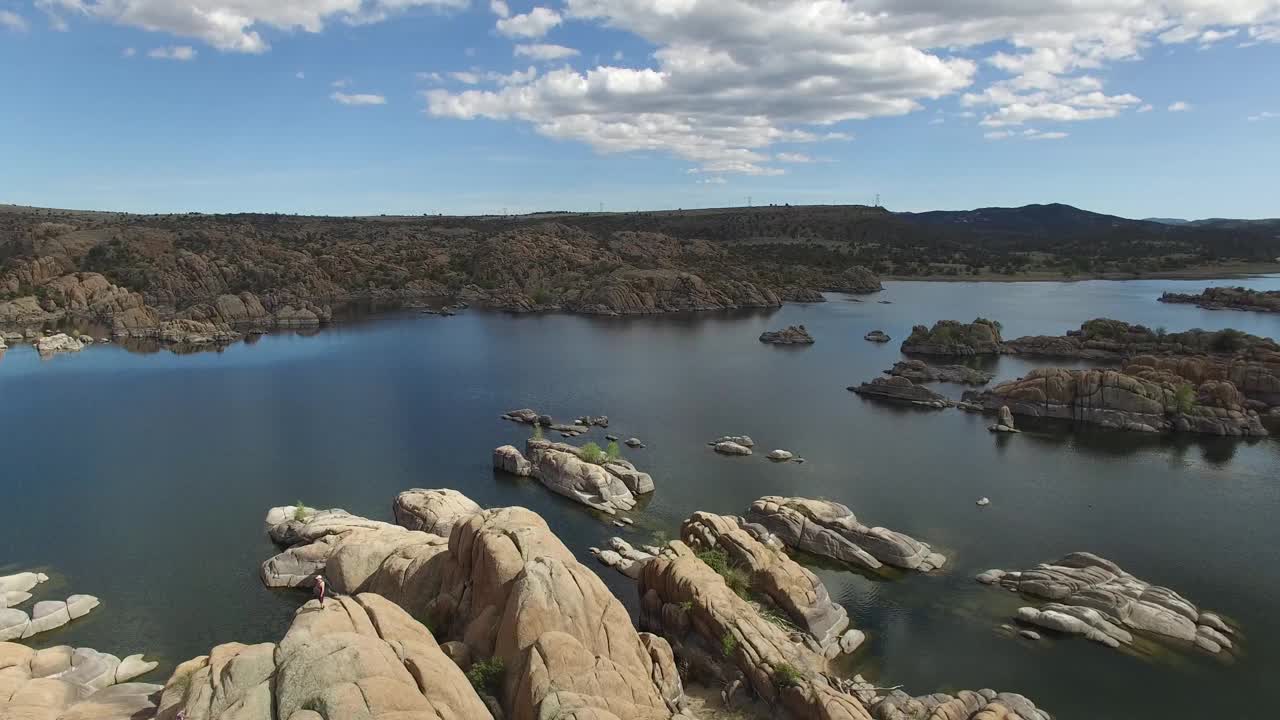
(1132, 107)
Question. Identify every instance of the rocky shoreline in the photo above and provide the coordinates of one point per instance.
(1229, 298)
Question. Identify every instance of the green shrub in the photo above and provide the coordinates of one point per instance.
(299, 511)
(613, 451)
(1184, 399)
(1228, 340)
(728, 644)
(592, 453)
(537, 431)
(486, 676)
(734, 576)
(786, 675)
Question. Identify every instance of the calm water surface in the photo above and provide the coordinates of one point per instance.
(143, 478)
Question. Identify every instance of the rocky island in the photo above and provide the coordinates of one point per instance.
(952, 338)
(1229, 298)
(918, 371)
(792, 335)
(902, 390)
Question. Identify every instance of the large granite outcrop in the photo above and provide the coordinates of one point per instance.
(1229, 298)
(639, 292)
(952, 338)
(59, 343)
(506, 588)
(611, 485)
(45, 615)
(357, 656)
(432, 511)
(1144, 401)
(918, 371)
(901, 390)
(65, 683)
(1094, 597)
(829, 529)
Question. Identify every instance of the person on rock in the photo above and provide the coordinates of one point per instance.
(319, 589)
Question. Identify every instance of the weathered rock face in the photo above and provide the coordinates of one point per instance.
(795, 590)
(309, 538)
(1113, 340)
(829, 529)
(1229, 298)
(951, 338)
(73, 683)
(1004, 423)
(507, 588)
(792, 335)
(728, 447)
(432, 511)
(638, 292)
(857, 280)
(359, 656)
(1094, 597)
(1119, 400)
(900, 389)
(919, 371)
(802, 295)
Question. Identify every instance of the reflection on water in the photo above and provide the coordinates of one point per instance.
(142, 477)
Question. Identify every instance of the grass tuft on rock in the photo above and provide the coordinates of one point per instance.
(592, 453)
(728, 644)
(786, 675)
(299, 511)
(734, 576)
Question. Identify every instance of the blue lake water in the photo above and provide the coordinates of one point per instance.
(144, 478)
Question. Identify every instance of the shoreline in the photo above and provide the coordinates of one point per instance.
(1240, 271)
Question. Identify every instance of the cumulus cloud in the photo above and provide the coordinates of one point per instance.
(12, 21)
(1180, 106)
(728, 79)
(1265, 115)
(234, 25)
(1038, 135)
(545, 52)
(499, 8)
(466, 78)
(533, 24)
(358, 99)
(182, 53)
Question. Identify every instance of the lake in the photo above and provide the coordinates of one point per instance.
(144, 478)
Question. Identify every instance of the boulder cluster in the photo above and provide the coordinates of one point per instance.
(918, 371)
(1093, 597)
(901, 390)
(608, 484)
(791, 335)
(46, 615)
(952, 338)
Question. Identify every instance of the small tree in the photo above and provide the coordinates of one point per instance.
(613, 451)
(299, 511)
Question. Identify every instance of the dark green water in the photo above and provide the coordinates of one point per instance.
(143, 478)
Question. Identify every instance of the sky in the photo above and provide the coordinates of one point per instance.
(1140, 108)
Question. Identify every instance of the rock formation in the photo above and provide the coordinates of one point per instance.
(791, 335)
(1094, 597)
(781, 455)
(45, 615)
(802, 295)
(639, 292)
(432, 511)
(1144, 402)
(829, 529)
(952, 338)
(877, 336)
(58, 343)
(607, 484)
(728, 447)
(900, 389)
(64, 683)
(1229, 298)
(501, 587)
(918, 371)
(1004, 423)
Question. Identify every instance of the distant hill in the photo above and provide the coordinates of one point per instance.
(1167, 221)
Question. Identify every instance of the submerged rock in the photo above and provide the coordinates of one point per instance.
(900, 389)
(1094, 597)
(792, 335)
(728, 447)
(781, 455)
(634, 443)
(829, 529)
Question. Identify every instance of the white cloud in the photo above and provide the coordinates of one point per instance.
(128, 52)
(466, 78)
(1180, 106)
(1146, 108)
(182, 53)
(434, 77)
(300, 75)
(514, 78)
(998, 134)
(544, 52)
(1266, 115)
(795, 158)
(533, 24)
(715, 180)
(234, 25)
(1037, 135)
(12, 21)
(499, 8)
(358, 99)
(1209, 37)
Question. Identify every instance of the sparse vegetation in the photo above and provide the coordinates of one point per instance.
(592, 453)
(486, 676)
(537, 431)
(1184, 399)
(1229, 340)
(786, 675)
(300, 511)
(613, 451)
(728, 644)
(734, 576)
